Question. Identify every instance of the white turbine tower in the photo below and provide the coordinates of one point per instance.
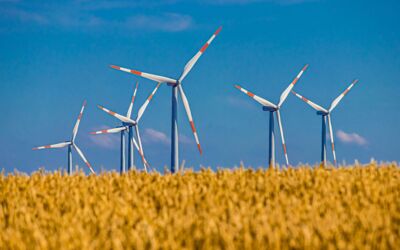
(177, 86)
(127, 125)
(326, 114)
(71, 144)
(269, 106)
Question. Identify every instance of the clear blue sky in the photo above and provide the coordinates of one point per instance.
(54, 56)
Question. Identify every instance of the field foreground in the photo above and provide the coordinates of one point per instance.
(346, 208)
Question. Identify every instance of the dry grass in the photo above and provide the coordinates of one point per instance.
(346, 208)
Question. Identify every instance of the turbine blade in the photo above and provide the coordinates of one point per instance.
(141, 153)
(189, 65)
(128, 114)
(78, 121)
(189, 115)
(258, 99)
(340, 97)
(84, 158)
(109, 131)
(313, 105)
(291, 85)
(144, 106)
(278, 115)
(57, 145)
(116, 115)
(331, 136)
(152, 77)
(140, 146)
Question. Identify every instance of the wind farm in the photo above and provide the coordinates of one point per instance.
(132, 171)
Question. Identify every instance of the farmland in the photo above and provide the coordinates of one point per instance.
(353, 207)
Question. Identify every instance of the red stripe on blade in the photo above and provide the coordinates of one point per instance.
(88, 164)
(218, 30)
(204, 48)
(136, 72)
(199, 147)
(192, 125)
(250, 94)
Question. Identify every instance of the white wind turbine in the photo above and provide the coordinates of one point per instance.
(71, 144)
(271, 107)
(177, 85)
(127, 125)
(326, 114)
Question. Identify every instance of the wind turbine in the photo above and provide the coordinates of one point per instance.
(326, 115)
(127, 126)
(177, 85)
(272, 108)
(71, 144)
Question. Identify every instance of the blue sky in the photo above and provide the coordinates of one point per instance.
(55, 55)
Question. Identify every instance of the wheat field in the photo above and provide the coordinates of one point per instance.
(353, 207)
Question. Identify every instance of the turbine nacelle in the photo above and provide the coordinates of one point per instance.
(173, 84)
(130, 124)
(126, 125)
(323, 113)
(270, 109)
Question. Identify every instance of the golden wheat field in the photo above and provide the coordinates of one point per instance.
(347, 208)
